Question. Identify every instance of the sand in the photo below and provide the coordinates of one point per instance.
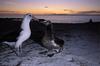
(81, 48)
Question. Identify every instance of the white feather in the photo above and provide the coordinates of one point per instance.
(26, 31)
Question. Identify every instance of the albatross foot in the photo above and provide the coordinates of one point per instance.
(18, 52)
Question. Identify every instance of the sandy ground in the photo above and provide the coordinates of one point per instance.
(81, 48)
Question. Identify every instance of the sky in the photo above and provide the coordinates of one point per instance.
(50, 6)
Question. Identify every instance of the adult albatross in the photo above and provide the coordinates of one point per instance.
(25, 33)
(21, 35)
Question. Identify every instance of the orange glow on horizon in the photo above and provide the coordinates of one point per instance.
(49, 6)
(40, 11)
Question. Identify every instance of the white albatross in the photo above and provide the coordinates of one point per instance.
(25, 33)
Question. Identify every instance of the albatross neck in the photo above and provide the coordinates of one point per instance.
(49, 32)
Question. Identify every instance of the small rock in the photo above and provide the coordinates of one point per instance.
(50, 55)
(70, 59)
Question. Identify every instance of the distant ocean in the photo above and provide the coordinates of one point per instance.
(70, 19)
(61, 18)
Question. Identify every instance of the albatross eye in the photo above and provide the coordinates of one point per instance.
(30, 15)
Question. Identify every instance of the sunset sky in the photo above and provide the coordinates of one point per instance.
(50, 6)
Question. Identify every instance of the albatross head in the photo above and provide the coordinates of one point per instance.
(28, 16)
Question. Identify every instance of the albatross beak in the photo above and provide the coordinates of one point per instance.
(35, 19)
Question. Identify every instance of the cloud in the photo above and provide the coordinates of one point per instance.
(8, 0)
(46, 7)
(80, 12)
(7, 12)
(69, 10)
(89, 12)
(7, 3)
